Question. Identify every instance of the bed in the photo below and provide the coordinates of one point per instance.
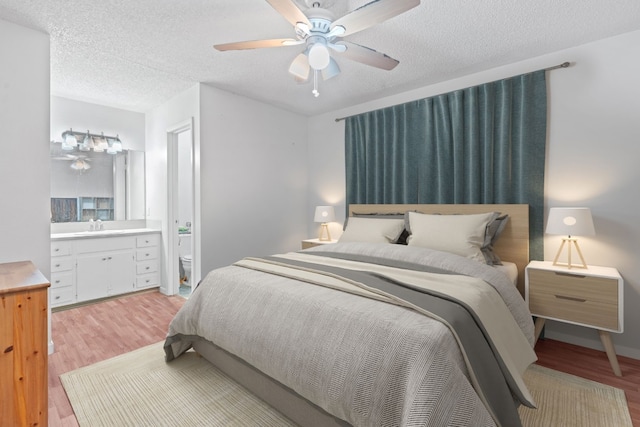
(367, 332)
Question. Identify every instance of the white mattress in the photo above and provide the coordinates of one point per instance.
(510, 269)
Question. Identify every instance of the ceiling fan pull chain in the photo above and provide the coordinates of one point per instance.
(315, 84)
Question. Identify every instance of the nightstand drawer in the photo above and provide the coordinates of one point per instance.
(559, 305)
(573, 285)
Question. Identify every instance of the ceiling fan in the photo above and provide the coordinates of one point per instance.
(322, 36)
(78, 162)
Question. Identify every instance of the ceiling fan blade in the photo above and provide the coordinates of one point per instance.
(300, 67)
(257, 44)
(290, 12)
(367, 56)
(372, 13)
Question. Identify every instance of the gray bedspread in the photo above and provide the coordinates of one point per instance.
(363, 360)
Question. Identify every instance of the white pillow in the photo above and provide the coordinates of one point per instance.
(372, 230)
(458, 234)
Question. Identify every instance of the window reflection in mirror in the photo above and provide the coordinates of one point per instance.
(88, 185)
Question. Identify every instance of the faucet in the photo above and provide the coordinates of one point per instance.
(99, 225)
(92, 226)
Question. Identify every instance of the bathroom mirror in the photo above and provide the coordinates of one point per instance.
(96, 185)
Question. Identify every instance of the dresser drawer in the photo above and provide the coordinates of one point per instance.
(148, 280)
(60, 280)
(145, 267)
(574, 309)
(147, 240)
(62, 264)
(62, 296)
(573, 285)
(147, 253)
(61, 248)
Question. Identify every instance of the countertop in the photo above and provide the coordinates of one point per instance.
(102, 233)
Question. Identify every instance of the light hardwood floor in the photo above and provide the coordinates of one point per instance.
(88, 334)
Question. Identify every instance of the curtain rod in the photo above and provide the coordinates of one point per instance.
(565, 64)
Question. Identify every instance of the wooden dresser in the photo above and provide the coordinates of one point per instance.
(23, 345)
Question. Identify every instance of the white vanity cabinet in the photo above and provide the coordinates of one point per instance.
(63, 273)
(105, 267)
(148, 261)
(90, 266)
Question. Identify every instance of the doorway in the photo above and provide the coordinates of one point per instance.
(182, 227)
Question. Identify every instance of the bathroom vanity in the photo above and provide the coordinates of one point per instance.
(90, 265)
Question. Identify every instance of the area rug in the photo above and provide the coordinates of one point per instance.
(566, 400)
(140, 389)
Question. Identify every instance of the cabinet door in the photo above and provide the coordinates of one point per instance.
(92, 277)
(121, 273)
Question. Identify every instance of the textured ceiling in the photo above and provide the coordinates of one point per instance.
(138, 54)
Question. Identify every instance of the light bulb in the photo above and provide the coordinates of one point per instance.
(319, 56)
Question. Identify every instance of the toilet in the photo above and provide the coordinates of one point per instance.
(184, 250)
(186, 264)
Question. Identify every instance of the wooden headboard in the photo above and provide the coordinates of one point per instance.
(513, 244)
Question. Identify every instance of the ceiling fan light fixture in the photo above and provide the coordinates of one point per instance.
(80, 165)
(331, 70)
(319, 57)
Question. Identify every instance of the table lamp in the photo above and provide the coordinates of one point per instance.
(570, 222)
(324, 214)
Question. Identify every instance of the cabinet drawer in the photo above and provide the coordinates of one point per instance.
(103, 244)
(61, 248)
(148, 280)
(145, 267)
(62, 296)
(573, 285)
(61, 264)
(147, 253)
(60, 280)
(147, 240)
(574, 309)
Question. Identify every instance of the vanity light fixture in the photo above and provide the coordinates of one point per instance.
(570, 222)
(91, 142)
(324, 214)
(69, 142)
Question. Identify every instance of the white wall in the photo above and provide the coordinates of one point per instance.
(185, 182)
(180, 108)
(82, 116)
(24, 163)
(593, 151)
(253, 178)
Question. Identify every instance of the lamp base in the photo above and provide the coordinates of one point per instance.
(571, 242)
(324, 228)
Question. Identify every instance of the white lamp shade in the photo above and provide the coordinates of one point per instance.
(319, 57)
(324, 214)
(570, 222)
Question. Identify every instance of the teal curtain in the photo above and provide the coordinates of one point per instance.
(483, 144)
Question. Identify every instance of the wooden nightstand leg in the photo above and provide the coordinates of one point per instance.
(538, 328)
(611, 351)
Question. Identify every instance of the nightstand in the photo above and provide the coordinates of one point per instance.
(591, 297)
(309, 243)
